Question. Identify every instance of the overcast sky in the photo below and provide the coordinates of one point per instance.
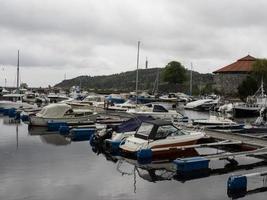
(96, 37)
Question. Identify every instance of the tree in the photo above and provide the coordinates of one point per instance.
(248, 87)
(259, 70)
(174, 72)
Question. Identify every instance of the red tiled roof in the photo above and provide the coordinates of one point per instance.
(243, 65)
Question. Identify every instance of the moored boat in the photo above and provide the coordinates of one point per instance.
(61, 113)
(156, 111)
(202, 104)
(163, 139)
(253, 104)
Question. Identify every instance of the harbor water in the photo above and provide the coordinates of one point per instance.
(40, 166)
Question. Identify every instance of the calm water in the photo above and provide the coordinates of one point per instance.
(37, 166)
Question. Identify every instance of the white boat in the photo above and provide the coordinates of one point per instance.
(156, 111)
(169, 98)
(162, 138)
(202, 104)
(123, 106)
(93, 102)
(214, 120)
(55, 98)
(61, 113)
(14, 101)
(29, 97)
(226, 108)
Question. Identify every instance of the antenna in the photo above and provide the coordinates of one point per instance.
(137, 65)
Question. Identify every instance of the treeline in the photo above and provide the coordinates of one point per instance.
(125, 82)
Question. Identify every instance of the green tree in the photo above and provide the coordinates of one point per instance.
(174, 72)
(248, 87)
(259, 70)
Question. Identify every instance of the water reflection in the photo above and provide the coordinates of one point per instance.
(48, 137)
(40, 169)
(54, 139)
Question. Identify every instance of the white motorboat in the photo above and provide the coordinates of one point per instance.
(122, 106)
(217, 122)
(29, 97)
(93, 102)
(55, 98)
(202, 104)
(169, 98)
(155, 111)
(14, 101)
(162, 138)
(214, 120)
(61, 113)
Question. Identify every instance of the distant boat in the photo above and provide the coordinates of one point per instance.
(155, 110)
(252, 106)
(14, 100)
(215, 122)
(202, 104)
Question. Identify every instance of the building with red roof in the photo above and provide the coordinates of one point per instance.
(228, 78)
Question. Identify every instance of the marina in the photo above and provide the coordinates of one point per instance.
(124, 100)
(218, 156)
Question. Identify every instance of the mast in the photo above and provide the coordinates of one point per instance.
(137, 65)
(191, 79)
(262, 89)
(156, 84)
(18, 74)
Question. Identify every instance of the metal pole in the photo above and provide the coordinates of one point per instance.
(18, 74)
(137, 65)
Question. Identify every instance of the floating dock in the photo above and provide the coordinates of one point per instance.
(245, 139)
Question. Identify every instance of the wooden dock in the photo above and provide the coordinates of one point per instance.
(245, 139)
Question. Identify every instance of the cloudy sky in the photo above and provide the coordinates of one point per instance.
(95, 37)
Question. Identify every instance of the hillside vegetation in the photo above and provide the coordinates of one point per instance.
(125, 82)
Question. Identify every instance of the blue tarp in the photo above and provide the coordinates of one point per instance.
(130, 125)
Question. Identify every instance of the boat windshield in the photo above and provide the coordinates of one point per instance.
(144, 130)
(168, 130)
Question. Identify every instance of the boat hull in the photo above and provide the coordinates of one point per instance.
(166, 151)
(246, 112)
(41, 121)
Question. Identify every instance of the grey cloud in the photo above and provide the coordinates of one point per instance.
(100, 37)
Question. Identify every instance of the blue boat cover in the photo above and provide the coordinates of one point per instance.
(130, 125)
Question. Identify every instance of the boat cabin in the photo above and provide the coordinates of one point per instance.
(158, 129)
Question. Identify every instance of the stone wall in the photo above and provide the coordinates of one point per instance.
(228, 83)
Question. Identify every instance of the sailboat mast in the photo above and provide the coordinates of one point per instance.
(191, 78)
(137, 65)
(18, 73)
(262, 89)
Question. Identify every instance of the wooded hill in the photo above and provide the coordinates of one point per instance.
(125, 82)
